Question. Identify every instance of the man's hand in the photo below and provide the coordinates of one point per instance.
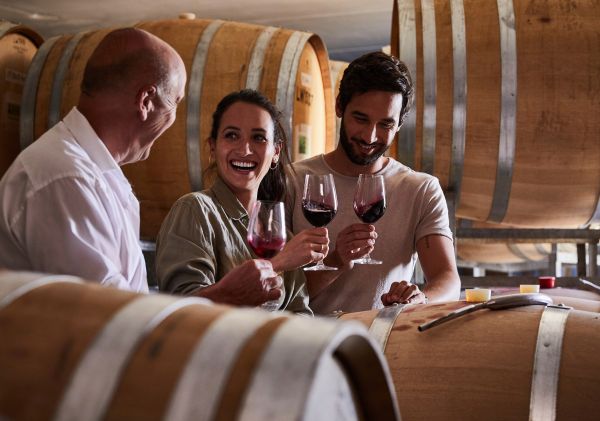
(352, 242)
(403, 293)
(308, 246)
(250, 284)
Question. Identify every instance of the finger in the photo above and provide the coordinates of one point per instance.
(384, 299)
(312, 239)
(357, 236)
(320, 231)
(408, 292)
(361, 227)
(360, 252)
(360, 244)
(393, 288)
(316, 256)
(389, 298)
(274, 282)
(319, 247)
(397, 291)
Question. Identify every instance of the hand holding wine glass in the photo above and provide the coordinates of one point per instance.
(267, 236)
(319, 205)
(369, 205)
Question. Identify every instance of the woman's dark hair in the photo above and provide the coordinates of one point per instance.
(376, 71)
(273, 185)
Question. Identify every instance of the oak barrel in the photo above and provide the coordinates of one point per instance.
(506, 112)
(289, 67)
(502, 253)
(481, 366)
(18, 45)
(336, 69)
(73, 350)
(498, 252)
(575, 299)
(579, 299)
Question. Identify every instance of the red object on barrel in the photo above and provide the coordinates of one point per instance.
(546, 281)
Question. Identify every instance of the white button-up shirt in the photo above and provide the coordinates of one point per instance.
(67, 208)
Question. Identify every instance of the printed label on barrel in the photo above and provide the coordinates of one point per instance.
(304, 96)
(302, 137)
(13, 111)
(15, 76)
(306, 79)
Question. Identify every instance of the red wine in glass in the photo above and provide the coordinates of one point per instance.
(267, 236)
(266, 249)
(370, 213)
(316, 214)
(319, 205)
(369, 205)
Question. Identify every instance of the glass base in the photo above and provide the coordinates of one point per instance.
(272, 305)
(367, 261)
(320, 266)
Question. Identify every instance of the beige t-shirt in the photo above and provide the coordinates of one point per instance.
(415, 208)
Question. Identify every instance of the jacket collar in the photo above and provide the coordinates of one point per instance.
(232, 206)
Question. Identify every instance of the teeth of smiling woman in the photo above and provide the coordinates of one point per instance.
(243, 165)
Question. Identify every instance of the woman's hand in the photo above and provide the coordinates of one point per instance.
(308, 246)
(249, 284)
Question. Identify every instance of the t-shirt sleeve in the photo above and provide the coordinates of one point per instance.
(67, 229)
(433, 212)
(185, 257)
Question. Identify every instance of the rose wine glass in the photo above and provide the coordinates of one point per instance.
(267, 236)
(369, 205)
(319, 205)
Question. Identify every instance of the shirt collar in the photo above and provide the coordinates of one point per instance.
(87, 138)
(232, 206)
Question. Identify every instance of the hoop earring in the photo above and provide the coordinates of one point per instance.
(276, 165)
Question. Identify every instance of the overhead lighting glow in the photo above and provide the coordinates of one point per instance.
(39, 16)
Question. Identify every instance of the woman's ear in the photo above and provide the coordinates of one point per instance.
(212, 146)
(277, 152)
(145, 101)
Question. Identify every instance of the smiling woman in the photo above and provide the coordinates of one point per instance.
(204, 236)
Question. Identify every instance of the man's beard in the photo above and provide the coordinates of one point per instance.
(355, 157)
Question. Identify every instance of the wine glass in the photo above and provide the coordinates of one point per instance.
(369, 205)
(267, 236)
(319, 205)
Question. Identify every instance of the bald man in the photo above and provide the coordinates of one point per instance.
(66, 206)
